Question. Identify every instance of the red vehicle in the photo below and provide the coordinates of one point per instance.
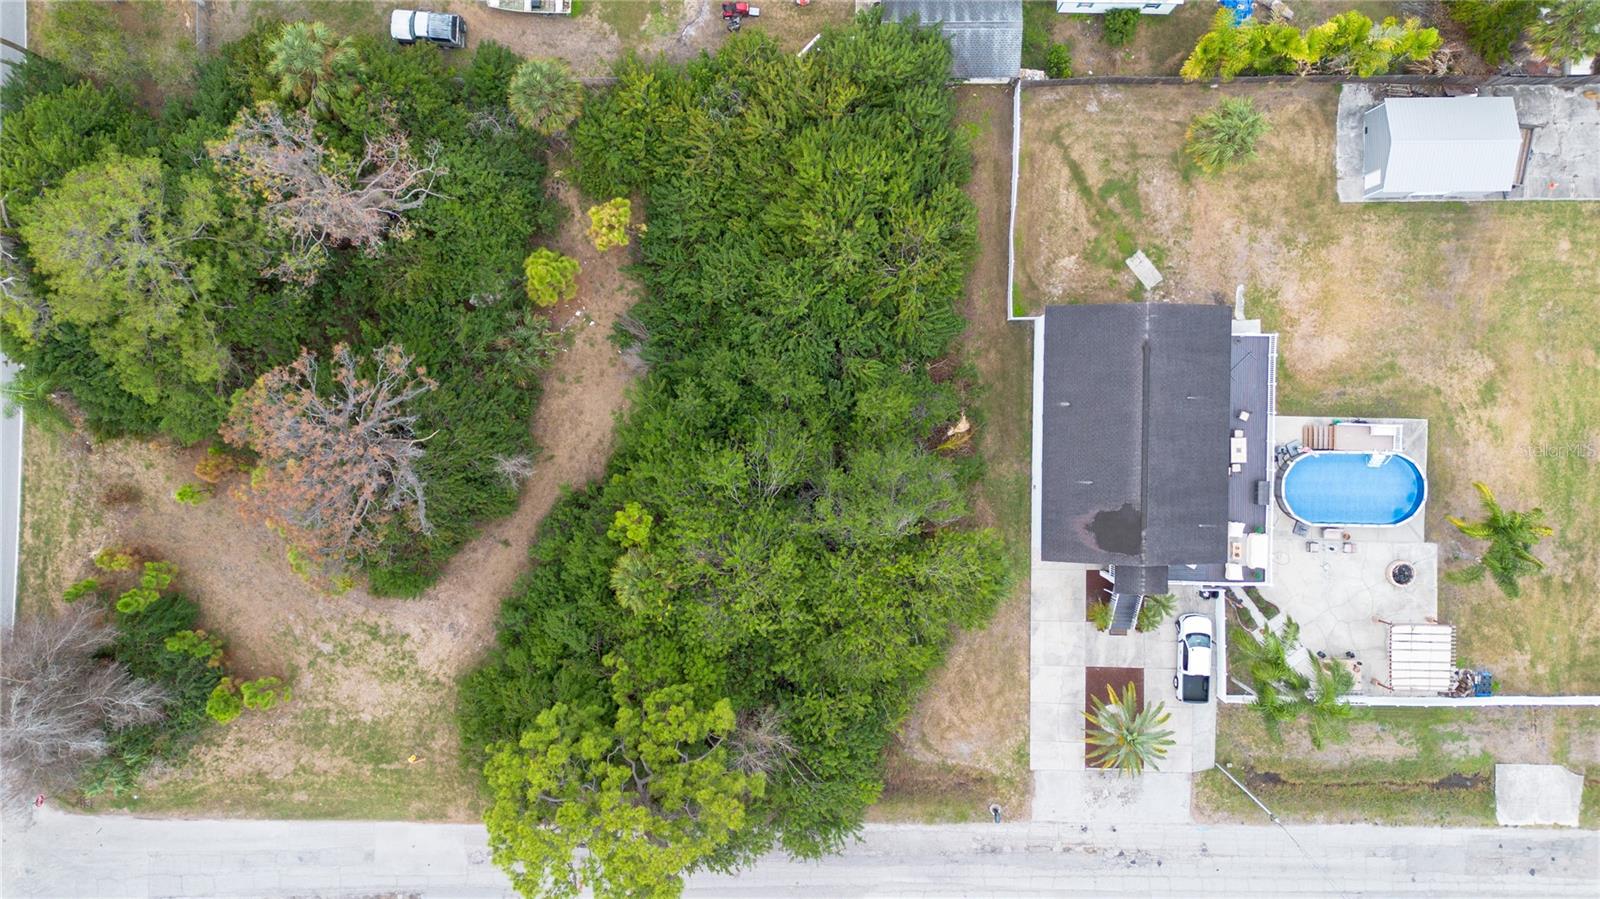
(734, 13)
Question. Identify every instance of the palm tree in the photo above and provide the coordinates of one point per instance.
(309, 63)
(1568, 29)
(1124, 737)
(1224, 135)
(1328, 714)
(1512, 537)
(1157, 608)
(544, 96)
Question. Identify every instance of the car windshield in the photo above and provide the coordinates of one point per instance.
(1199, 641)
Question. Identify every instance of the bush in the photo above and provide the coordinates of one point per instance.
(552, 277)
(1100, 615)
(490, 73)
(224, 705)
(1225, 135)
(141, 645)
(87, 587)
(1058, 62)
(192, 494)
(1493, 26)
(196, 644)
(113, 560)
(264, 693)
(608, 223)
(1119, 26)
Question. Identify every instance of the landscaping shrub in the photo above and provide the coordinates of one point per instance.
(1348, 43)
(608, 223)
(191, 494)
(552, 277)
(1058, 62)
(1119, 25)
(1224, 135)
(225, 705)
(789, 562)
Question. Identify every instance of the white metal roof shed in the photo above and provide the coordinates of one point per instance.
(1442, 146)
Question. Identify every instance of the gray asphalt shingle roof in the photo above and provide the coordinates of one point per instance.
(1136, 411)
(985, 35)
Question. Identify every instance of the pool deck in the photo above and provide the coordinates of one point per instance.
(1343, 601)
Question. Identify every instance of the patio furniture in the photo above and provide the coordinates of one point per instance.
(1331, 533)
(1238, 448)
(1313, 546)
(1244, 414)
(1301, 529)
(1263, 493)
(1349, 548)
(1354, 667)
(1232, 572)
(1256, 550)
(1235, 468)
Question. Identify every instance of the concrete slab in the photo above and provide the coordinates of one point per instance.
(1532, 795)
(1563, 159)
(1111, 797)
(1144, 270)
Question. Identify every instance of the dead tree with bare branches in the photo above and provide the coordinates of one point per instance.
(334, 469)
(60, 700)
(317, 199)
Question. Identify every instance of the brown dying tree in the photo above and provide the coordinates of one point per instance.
(312, 195)
(335, 469)
(59, 700)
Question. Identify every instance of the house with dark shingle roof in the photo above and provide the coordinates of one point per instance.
(985, 35)
(1140, 403)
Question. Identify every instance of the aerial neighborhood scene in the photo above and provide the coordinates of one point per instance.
(491, 448)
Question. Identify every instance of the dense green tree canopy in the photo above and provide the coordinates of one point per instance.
(149, 287)
(780, 527)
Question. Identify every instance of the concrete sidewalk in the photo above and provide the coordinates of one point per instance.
(62, 856)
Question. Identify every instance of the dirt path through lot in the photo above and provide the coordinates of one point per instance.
(374, 678)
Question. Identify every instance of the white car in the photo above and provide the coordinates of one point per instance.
(1193, 680)
(445, 29)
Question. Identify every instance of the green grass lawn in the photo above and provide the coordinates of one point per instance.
(1478, 317)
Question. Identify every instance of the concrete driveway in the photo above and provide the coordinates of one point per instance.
(1062, 645)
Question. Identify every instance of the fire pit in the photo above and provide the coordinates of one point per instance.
(1401, 573)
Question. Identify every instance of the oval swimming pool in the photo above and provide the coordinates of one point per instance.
(1334, 488)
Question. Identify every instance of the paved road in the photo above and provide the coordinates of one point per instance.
(13, 27)
(64, 855)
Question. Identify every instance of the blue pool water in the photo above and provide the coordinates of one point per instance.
(1335, 488)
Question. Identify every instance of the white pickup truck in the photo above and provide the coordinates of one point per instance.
(445, 29)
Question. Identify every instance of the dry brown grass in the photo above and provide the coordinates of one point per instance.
(965, 744)
(1477, 317)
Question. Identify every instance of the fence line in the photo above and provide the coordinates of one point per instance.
(1427, 80)
(1011, 231)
